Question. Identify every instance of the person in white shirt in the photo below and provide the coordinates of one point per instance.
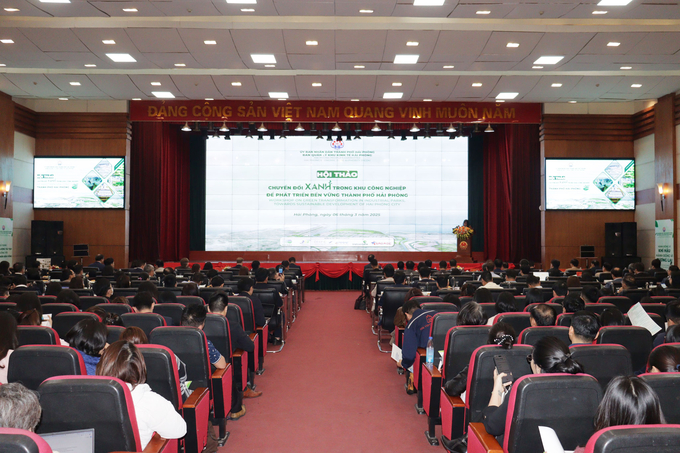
(154, 413)
(487, 281)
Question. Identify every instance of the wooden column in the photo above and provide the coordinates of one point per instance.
(664, 155)
(6, 150)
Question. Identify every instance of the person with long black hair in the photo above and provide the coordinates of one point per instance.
(8, 342)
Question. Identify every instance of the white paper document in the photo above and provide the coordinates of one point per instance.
(551, 443)
(396, 353)
(639, 317)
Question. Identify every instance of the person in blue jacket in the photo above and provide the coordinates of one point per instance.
(417, 331)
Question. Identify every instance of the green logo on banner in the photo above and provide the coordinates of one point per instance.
(343, 174)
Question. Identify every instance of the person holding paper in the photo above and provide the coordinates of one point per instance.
(550, 355)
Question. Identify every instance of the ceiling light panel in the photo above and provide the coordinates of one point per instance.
(507, 95)
(406, 59)
(393, 95)
(261, 58)
(428, 2)
(613, 2)
(278, 95)
(549, 59)
(242, 2)
(163, 94)
(121, 57)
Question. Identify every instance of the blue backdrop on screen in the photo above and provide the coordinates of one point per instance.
(305, 194)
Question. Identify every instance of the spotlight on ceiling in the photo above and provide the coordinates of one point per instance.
(186, 127)
(262, 128)
(376, 128)
(299, 128)
(451, 129)
(336, 128)
(414, 128)
(488, 128)
(224, 127)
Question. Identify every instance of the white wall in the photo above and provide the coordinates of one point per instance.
(645, 214)
(24, 150)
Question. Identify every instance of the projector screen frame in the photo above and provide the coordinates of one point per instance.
(545, 184)
(125, 182)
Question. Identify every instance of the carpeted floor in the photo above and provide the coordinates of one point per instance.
(330, 390)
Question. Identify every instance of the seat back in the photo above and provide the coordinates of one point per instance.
(190, 300)
(54, 308)
(83, 292)
(31, 365)
(427, 286)
(547, 293)
(205, 293)
(90, 301)
(564, 319)
(656, 308)
(635, 438)
(113, 333)
(598, 308)
(161, 372)
(191, 346)
(637, 340)
(64, 398)
(656, 318)
(7, 306)
(667, 387)
(37, 335)
(145, 321)
(441, 324)
(63, 322)
(428, 299)
(480, 375)
(623, 303)
(268, 298)
(217, 330)
(172, 311)
(548, 400)
(495, 292)
(439, 307)
(118, 309)
(393, 299)
(518, 321)
(636, 295)
(124, 292)
(247, 309)
(603, 361)
(22, 441)
(663, 299)
(235, 314)
(380, 286)
(489, 309)
(531, 335)
(461, 342)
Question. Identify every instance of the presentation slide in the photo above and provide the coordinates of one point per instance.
(590, 184)
(302, 193)
(79, 182)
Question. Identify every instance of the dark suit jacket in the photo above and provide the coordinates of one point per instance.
(98, 265)
(277, 298)
(258, 311)
(239, 338)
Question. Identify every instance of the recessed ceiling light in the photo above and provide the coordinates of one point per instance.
(278, 95)
(12, 10)
(556, 85)
(236, 84)
(247, 10)
(537, 67)
(209, 99)
(406, 59)
(262, 58)
(549, 60)
(180, 65)
(366, 11)
(156, 84)
(572, 102)
(109, 42)
(209, 42)
(507, 95)
(448, 66)
(500, 100)
(354, 100)
(2, 64)
(163, 94)
(599, 12)
(55, 1)
(63, 99)
(636, 85)
(136, 99)
(512, 44)
(396, 84)
(359, 66)
(428, 2)
(614, 2)
(74, 84)
(130, 10)
(427, 100)
(613, 44)
(242, 2)
(486, 11)
(316, 84)
(626, 67)
(121, 57)
(392, 95)
(412, 43)
(90, 65)
(476, 84)
(312, 43)
(270, 66)
(6, 41)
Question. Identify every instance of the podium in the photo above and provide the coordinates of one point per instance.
(464, 253)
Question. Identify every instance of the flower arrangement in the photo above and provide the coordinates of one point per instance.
(463, 232)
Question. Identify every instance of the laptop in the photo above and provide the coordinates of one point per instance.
(78, 441)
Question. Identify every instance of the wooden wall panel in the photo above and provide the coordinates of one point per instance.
(643, 123)
(24, 120)
(6, 150)
(563, 232)
(664, 153)
(67, 134)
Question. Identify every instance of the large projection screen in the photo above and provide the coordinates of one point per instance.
(79, 182)
(590, 184)
(302, 194)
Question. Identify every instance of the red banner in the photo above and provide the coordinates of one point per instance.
(335, 111)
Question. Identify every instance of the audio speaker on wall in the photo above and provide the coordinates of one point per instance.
(620, 239)
(47, 238)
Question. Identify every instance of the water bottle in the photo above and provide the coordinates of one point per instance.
(429, 352)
